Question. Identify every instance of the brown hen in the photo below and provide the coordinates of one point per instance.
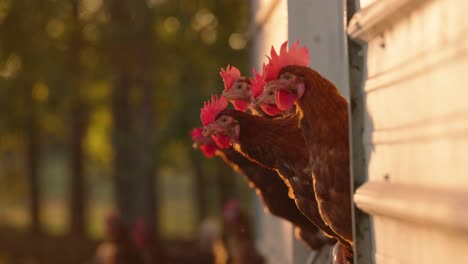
(272, 191)
(323, 114)
(276, 144)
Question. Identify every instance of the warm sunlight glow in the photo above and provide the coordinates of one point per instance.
(96, 143)
(365, 3)
(204, 19)
(171, 24)
(88, 8)
(11, 67)
(237, 41)
(40, 92)
(4, 9)
(55, 28)
(153, 3)
(206, 22)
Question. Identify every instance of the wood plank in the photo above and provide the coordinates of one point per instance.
(416, 135)
(375, 17)
(402, 242)
(416, 224)
(440, 163)
(428, 206)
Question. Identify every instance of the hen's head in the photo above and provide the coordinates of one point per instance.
(258, 84)
(283, 84)
(223, 128)
(205, 144)
(283, 92)
(236, 88)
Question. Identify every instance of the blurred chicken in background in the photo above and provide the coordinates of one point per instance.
(117, 246)
(209, 243)
(241, 242)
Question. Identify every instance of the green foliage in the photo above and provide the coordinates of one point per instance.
(48, 62)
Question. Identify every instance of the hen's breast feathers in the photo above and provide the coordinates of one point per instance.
(279, 144)
(269, 185)
(324, 125)
(271, 141)
(274, 194)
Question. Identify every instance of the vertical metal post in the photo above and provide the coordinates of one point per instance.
(363, 231)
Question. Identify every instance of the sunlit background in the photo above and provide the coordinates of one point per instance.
(92, 91)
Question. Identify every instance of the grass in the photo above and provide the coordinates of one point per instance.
(177, 215)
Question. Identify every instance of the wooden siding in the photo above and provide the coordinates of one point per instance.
(417, 135)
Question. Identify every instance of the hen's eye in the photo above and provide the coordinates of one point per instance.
(223, 120)
(286, 76)
(239, 86)
(271, 93)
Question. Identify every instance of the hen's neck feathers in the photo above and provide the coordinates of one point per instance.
(322, 105)
(271, 188)
(270, 141)
(240, 163)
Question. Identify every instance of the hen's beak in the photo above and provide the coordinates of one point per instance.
(228, 95)
(209, 130)
(263, 98)
(260, 100)
(255, 102)
(276, 85)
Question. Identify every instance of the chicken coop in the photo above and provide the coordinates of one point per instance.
(402, 65)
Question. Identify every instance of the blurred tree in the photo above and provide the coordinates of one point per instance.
(27, 79)
(144, 131)
(78, 118)
(33, 156)
(122, 54)
(133, 99)
(200, 187)
(72, 72)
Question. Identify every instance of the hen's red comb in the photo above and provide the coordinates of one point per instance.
(294, 56)
(230, 75)
(212, 108)
(257, 83)
(196, 133)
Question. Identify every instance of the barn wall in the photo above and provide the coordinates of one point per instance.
(416, 138)
(269, 26)
(321, 26)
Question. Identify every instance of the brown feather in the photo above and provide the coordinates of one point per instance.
(278, 144)
(274, 195)
(324, 123)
